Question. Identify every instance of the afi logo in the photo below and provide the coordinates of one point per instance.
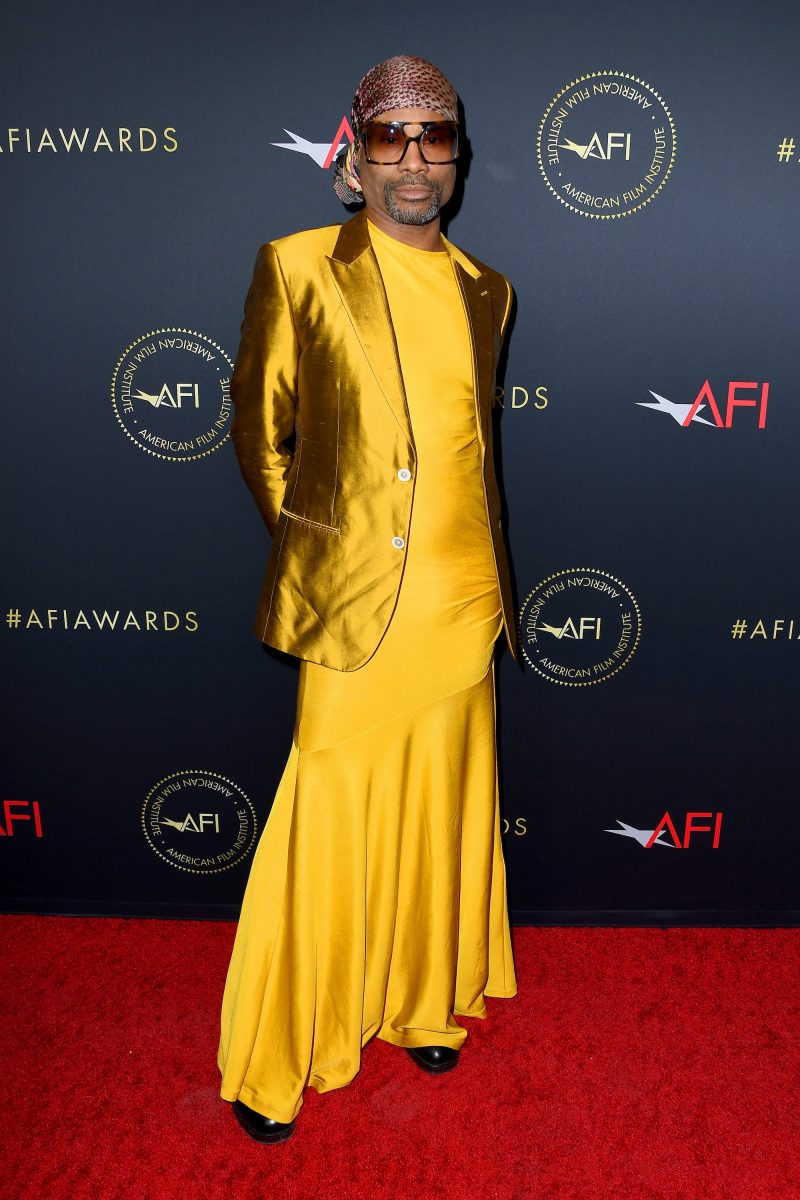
(323, 153)
(190, 392)
(190, 825)
(685, 414)
(688, 829)
(595, 148)
(665, 829)
(10, 816)
(586, 625)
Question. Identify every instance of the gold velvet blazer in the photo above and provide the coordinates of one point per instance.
(321, 430)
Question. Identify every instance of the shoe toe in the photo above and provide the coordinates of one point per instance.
(435, 1059)
(260, 1128)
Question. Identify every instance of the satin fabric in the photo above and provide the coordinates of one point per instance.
(321, 428)
(376, 904)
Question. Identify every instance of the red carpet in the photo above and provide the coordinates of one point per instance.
(635, 1064)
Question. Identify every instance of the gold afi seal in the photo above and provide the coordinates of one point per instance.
(171, 394)
(606, 145)
(199, 821)
(579, 627)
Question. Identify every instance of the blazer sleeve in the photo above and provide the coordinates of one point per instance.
(264, 387)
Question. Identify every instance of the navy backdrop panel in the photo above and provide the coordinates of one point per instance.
(648, 438)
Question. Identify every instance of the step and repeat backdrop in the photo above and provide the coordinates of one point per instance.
(635, 171)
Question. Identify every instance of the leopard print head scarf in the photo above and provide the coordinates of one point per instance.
(404, 81)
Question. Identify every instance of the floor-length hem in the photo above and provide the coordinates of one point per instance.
(327, 954)
(263, 1105)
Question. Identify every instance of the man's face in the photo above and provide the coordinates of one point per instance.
(410, 192)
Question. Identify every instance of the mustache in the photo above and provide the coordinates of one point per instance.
(414, 181)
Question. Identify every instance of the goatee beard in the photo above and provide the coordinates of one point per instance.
(417, 215)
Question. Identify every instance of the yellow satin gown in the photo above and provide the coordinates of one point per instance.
(376, 903)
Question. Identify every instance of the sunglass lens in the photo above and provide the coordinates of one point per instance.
(385, 143)
(440, 143)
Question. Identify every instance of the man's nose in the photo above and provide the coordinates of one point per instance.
(413, 160)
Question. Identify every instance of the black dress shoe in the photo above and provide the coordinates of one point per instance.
(263, 1129)
(435, 1059)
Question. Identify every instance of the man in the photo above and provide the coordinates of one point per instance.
(376, 902)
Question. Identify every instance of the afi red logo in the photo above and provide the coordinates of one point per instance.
(734, 401)
(739, 395)
(12, 813)
(690, 827)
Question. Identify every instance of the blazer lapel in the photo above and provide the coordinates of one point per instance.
(358, 279)
(477, 297)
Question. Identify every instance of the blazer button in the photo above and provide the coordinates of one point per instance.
(404, 474)
(398, 543)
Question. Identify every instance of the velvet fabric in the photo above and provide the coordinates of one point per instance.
(322, 428)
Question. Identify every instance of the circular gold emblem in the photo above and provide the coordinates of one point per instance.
(199, 821)
(606, 145)
(579, 627)
(171, 394)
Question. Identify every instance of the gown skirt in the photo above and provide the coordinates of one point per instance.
(376, 903)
